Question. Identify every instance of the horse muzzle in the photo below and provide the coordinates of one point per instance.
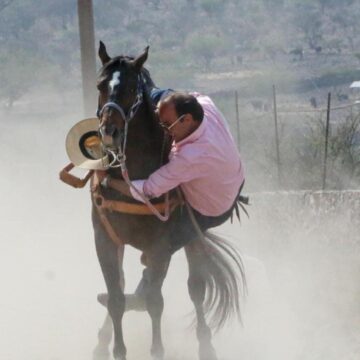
(110, 136)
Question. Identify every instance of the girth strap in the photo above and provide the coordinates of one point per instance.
(102, 205)
(133, 209)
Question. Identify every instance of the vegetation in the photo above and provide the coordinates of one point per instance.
(186, 36)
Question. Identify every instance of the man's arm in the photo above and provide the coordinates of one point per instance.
(121, 186)
(180, 169)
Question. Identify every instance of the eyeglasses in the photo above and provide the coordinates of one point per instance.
(168, 128)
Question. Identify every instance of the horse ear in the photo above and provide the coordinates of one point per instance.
(140, 60)
(103, 53)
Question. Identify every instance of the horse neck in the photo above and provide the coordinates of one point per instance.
(144, 143)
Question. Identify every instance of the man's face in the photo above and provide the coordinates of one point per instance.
(178, 127)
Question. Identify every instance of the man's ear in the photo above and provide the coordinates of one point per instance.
(140, 60)
(103, 55)
(187, 117)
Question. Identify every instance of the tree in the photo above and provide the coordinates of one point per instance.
(308, 19)
(343, 151)
(205, 47)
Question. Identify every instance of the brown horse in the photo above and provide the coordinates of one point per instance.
(216, 275)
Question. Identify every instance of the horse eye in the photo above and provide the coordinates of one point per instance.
(102, 87)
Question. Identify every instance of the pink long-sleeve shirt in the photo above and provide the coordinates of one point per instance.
(206, 165)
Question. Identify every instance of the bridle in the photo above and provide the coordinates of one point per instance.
(118, 155)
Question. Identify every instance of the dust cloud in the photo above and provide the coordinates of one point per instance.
(303, 274)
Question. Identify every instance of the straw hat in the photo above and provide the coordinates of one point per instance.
(84, 147)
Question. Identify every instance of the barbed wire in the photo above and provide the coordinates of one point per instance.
(347, 106)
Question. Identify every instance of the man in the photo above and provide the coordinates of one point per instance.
(204, 162)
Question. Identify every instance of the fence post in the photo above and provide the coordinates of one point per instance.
(88, 58)
(237, 119)
(326, 141)
(277, 139)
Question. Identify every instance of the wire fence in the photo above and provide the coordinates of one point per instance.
(293, 147)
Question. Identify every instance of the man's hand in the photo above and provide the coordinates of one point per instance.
(119, 185)
(101, 175)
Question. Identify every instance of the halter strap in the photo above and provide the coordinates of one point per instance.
(134, 107)
(115, 106)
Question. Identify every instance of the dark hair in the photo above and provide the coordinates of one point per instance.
(186, 104)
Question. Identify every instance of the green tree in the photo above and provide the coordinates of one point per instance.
(308, 19)
(205, 48)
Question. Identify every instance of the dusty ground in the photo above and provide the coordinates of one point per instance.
(303, 298)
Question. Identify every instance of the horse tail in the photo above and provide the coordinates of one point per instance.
(223, 272)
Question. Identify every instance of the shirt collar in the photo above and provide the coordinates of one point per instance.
(194, 135)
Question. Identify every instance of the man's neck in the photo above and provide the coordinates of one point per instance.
(192, 128)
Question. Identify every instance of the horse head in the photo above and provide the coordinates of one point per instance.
(121, 87)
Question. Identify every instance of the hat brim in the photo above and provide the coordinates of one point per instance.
(74, 148)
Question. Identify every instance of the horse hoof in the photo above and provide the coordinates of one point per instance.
(119, 357)
(207, 353)
(157, 353)
(101, 353)
(158, 357)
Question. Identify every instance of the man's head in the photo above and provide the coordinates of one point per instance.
(180, 114)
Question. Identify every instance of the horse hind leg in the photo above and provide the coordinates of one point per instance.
(197, 287)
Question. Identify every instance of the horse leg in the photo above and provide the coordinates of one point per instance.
(196, 286)
(153, 278)
(101, 351)
(109, 262)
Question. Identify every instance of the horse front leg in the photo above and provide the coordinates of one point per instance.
(197, 288)
(101, 351)
(109, 262)
(153, 278)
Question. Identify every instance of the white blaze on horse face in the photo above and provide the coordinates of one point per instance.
(115, 80)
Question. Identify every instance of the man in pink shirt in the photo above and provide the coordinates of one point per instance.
(204, 161)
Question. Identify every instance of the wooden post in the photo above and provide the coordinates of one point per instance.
(237, 119)
(277, 139)
(326, 141)
(88, 59)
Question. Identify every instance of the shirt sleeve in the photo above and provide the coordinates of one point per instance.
(180, 169)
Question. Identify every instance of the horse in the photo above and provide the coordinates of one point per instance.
(216, 274)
